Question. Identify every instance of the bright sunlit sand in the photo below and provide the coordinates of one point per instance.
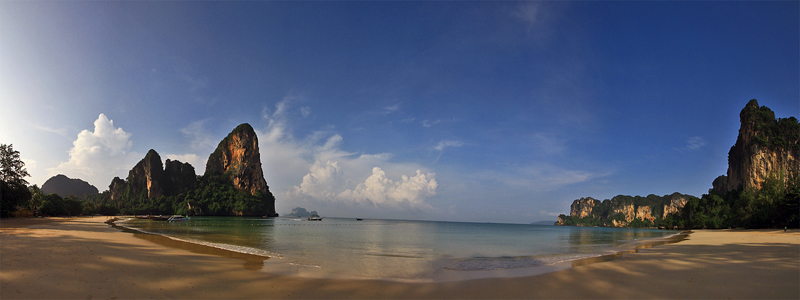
(88, 259)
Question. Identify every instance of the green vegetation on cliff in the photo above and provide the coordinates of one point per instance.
(780, 133)
(626, 211)
(775, 205)
(211, 195)
(762, 189)
(233, 183)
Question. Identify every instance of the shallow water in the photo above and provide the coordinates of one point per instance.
(399, 249)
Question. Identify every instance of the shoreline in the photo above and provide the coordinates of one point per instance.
(84, 258)
(272, 263)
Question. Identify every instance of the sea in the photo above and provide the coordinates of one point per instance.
(400, 249)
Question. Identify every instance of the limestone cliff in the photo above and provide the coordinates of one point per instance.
(233, 183)
(765, 147)
(149, 179)
(582, 207)
(237, 158)
(622, 211)
(630, 212)
(116, 188)
(147, 176)
(674, 205)
(180, 177)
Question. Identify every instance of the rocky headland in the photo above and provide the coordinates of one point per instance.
(623, 211)
(765, 147)
(233, 183)
(238, 159)
(766, 152)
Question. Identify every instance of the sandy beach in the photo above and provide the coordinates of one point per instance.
(84, 258)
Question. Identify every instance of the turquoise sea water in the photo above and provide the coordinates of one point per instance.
(397, 248)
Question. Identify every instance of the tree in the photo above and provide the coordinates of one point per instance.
(13, 187)
(73, 206)
(36, 197)
(12, 169)
(53, 205)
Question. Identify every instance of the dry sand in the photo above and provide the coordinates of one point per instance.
(83, 258)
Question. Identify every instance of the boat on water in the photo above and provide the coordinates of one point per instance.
(159, 218)
(315, 218)
(178, 218)
(359, 219)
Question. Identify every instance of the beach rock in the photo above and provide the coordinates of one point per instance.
(761, 150)
(237, 157)
(65, 186)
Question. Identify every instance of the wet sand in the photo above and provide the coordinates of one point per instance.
(84, 258)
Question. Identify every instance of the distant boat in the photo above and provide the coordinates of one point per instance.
(315, 218)
(359, 219)
(178, 218)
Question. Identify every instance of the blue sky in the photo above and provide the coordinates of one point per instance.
(469, 111)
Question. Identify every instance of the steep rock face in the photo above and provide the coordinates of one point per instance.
(675, 205)
(237, 157)
(179, 176)
(116, 187)
(759, 152)
(631, 212)
(147, 176)
(645, 213)
(720, 184)
(65, 186)
(582, 207)
(622, 210)
(149, 179)
(627, 210)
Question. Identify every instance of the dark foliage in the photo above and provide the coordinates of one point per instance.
(211, 195)
(782, 133)
(775, 205)
(12, 195)
(13, 186)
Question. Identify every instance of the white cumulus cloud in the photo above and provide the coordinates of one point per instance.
(328, 183)
(97, 156)
(379, 189)
(314, 171)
